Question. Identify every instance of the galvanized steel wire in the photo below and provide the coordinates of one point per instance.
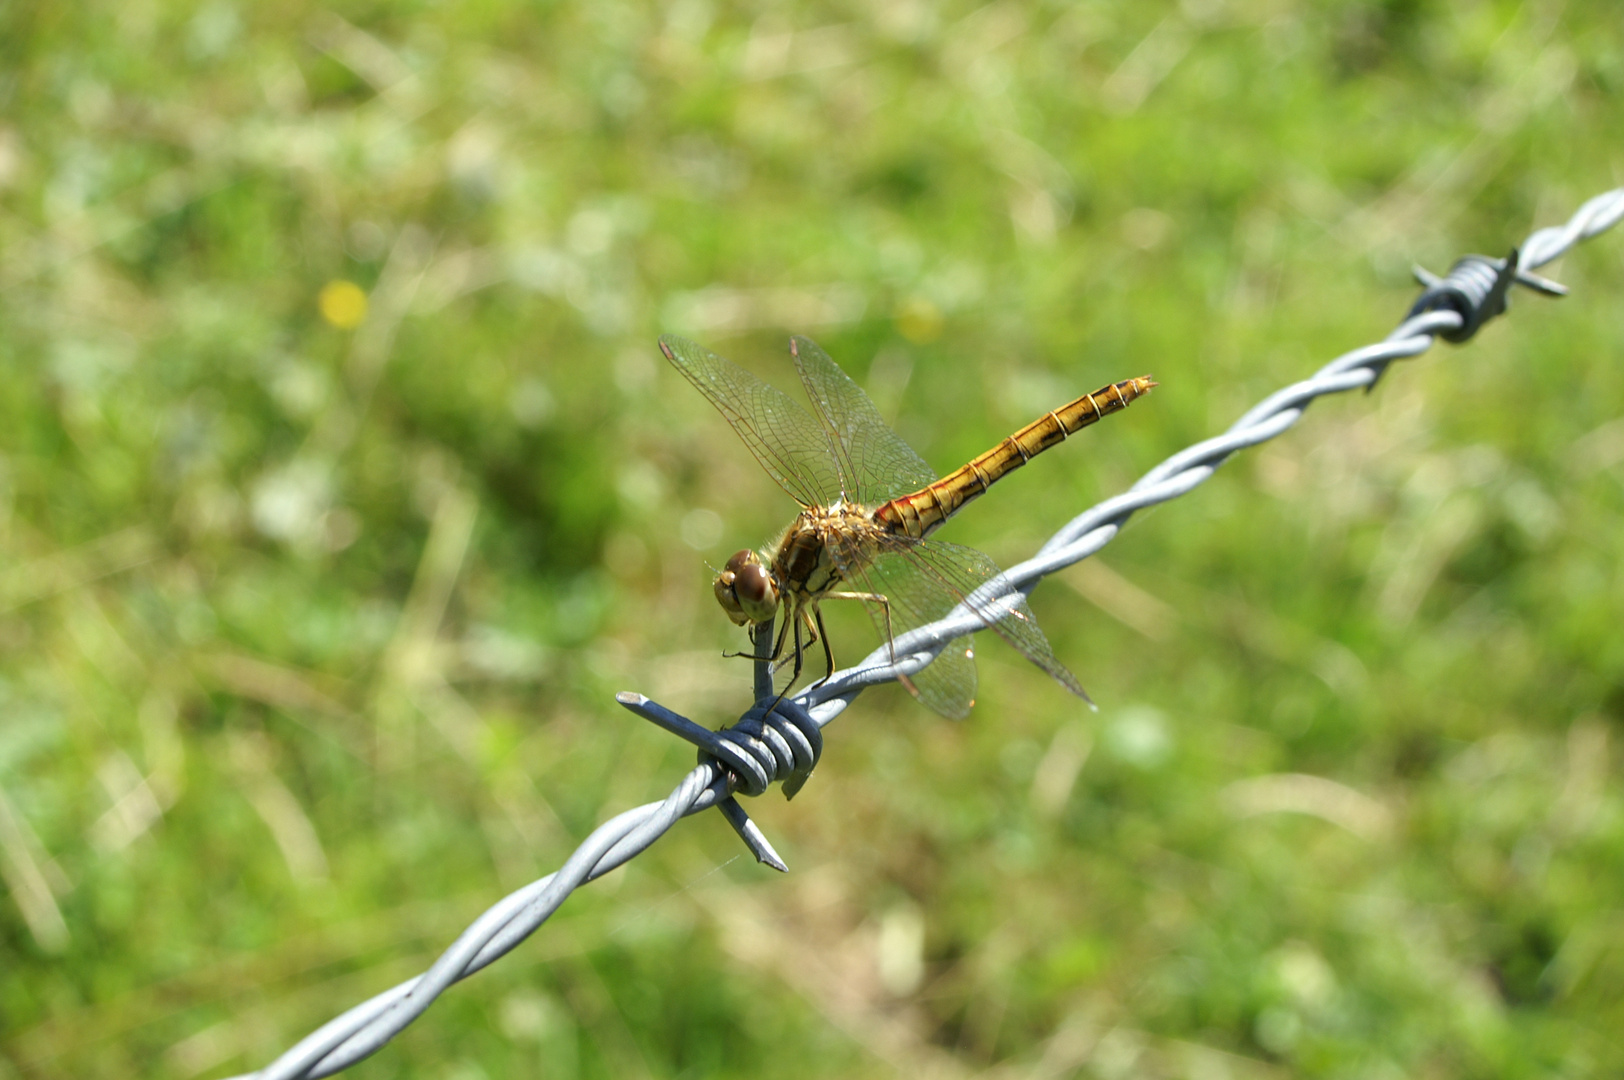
(781, 739)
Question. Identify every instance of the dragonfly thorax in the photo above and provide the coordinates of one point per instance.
(821, 549)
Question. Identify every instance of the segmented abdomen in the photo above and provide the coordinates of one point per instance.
(920, 513)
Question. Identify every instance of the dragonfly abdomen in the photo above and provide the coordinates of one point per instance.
(922, 512)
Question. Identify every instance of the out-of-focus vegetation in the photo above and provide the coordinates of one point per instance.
(343, 484)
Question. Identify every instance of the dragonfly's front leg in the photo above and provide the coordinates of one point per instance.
(813, 621)
(778, 647)
(797, 619)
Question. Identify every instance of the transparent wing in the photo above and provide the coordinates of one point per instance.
(924, 580)
(966, 570)
(948, 685)
(794, 449)
(875, 464)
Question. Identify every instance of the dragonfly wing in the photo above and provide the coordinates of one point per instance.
(931, 578)
(794, 449)
(967, 570)
(876, 465)
(948, 685)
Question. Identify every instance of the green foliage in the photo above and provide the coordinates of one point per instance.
(311, 621)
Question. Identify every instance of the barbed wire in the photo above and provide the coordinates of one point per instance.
(780, 738)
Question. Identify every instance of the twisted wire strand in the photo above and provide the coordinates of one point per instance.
(780, 738)
(774, 740)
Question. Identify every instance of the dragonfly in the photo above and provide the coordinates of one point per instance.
(869, 504)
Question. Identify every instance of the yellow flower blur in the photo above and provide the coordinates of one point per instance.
(919, 320)
(343, 304)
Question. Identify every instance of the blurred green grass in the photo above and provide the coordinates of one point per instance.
(311, 632)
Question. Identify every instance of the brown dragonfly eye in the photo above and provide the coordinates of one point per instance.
(754, 587)
(746, 590)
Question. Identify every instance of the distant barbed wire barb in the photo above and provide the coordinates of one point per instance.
(781, 738)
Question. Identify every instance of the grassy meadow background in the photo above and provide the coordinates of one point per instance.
(342, 485)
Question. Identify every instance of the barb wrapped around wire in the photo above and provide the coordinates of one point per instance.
(1475, 288)
(775, 739)
(779, 738)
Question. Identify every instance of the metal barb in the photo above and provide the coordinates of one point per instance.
(751, 834)
(370, 1025)
(1475, 291)
(775, 739)
(1476, 288)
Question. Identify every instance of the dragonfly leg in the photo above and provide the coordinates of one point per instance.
(814, 629)
(778, 647)
(885, 606)
(774, 661)
(890, 637)
(777, 657)
(814, 625)
(820, 634)
(798, 618)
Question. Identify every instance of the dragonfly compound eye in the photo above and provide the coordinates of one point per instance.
(746, 590)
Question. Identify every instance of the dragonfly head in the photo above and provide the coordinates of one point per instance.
(746, 589)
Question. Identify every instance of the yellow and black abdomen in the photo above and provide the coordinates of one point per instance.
(920, 513)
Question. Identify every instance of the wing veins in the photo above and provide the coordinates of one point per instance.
(938, 577)
(785, 439)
